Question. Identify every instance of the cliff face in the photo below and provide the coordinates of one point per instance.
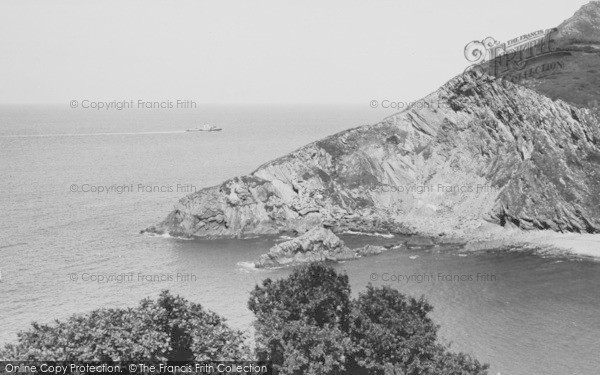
(482, 149)
(524, 155)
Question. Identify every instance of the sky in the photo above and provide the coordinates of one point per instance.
(249, 52)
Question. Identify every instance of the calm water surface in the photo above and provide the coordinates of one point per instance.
(535, 315)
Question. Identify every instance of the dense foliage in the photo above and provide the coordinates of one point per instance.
(308, 324)
(168, 329)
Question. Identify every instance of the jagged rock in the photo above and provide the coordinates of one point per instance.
(525, 160)
(479, 148)
(369, 250)
(317, 245)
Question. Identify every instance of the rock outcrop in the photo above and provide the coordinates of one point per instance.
(480, 148)
(316, 245)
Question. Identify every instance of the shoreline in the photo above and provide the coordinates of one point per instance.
(482, 235)
(473, 234)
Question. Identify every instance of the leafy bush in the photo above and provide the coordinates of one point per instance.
(307, 324)
(169, 329)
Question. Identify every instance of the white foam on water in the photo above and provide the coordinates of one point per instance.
(166, 235)
(285, 238)
(247, 265)
(375, 234)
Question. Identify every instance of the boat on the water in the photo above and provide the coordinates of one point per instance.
(205, 128)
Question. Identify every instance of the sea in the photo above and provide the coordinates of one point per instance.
(77, 185)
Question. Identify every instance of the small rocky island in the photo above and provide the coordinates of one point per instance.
(322, 245)
(317, 245)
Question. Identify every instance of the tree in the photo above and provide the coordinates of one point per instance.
(391, 329)
(169, 329)
(301, 321)
(307, 324)
(394, 334)
(316, 293)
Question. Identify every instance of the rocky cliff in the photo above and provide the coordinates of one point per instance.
(481, 149)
